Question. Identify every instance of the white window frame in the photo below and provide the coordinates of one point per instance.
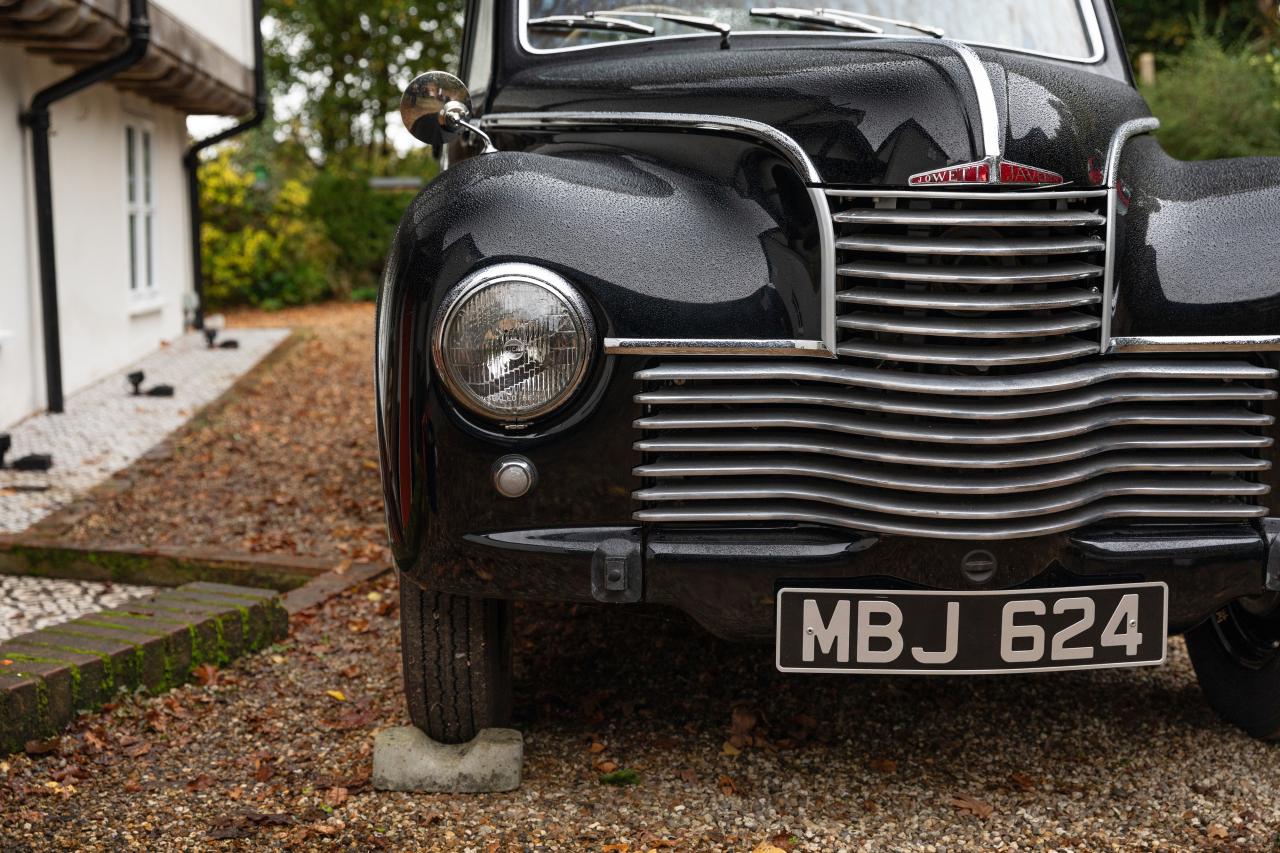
(140, 209)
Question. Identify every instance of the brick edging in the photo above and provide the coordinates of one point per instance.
(155, 642)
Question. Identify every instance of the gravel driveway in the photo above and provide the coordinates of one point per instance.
(276, 751)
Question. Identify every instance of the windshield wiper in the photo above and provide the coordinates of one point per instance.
(616, 22)
(589, 21)
(819, 17)
(842, 20)
(696, 21)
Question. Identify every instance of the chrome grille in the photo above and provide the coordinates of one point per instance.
(945, 278)
(915, 451)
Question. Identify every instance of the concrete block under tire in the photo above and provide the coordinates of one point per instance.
(405, 759)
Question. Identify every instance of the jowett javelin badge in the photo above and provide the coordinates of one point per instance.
(989, 170)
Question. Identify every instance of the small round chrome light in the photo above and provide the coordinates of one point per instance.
(514, 476)
(512, 341)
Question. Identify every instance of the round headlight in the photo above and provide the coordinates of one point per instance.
(513, 341)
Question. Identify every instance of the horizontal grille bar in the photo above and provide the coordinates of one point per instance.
(971, 218)
(1010, 529)
(1056, 379)
(968, 327)
(1028, 274)
(951, 455)
(969, 356)
(952, 508)
(961, 433)
(987, 247)
(919, 300)
(949, 482)
(945, 456)
(1002, 408)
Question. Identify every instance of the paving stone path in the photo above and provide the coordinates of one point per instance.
(105, 428)
(28, 604)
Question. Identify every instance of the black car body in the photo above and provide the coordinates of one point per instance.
(868, 311)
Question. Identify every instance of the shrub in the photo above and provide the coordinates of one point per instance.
(1215, 100)
(359, 222)
(258, 246)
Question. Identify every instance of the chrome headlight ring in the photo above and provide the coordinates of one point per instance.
(512, 342)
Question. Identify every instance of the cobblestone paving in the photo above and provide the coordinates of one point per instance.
(28, 604)
(105, 428)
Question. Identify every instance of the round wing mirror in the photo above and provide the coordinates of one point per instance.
(435, 106)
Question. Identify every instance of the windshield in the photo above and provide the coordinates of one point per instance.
(1055, 27)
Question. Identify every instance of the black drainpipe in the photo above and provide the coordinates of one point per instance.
(192, 160)
(37, 118)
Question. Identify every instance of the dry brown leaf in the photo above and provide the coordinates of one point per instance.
(597, 747)
(606, 766)
(335, 796)
(206, 674)
(689, 775)
(884, 765)
(138, 749)
(1216, 830)
(615, 848)
(132, 785)
(42, 747)
(783, 841)
(729, 749)
(975, 807)
(727, 786)
(768, 847)
(201, 783)
(1023, 781)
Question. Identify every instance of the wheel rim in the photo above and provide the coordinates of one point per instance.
(1249, 630)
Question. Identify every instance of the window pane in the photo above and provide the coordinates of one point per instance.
(146, 168)
(129, 164)
(133, 251)
(151, 279)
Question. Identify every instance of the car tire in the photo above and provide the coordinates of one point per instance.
(1236, 656)
(457, 662)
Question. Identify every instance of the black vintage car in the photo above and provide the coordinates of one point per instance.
(885, 332)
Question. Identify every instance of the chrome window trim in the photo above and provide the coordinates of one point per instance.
(529, 274)
(1123, 134)
(1195, 343)
(1093, 32)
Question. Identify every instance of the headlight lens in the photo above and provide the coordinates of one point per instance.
(513, 341)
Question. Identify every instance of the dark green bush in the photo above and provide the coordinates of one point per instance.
(1215, 100)
(360, 222)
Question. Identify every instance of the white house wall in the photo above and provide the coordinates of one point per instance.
(20, 371)
(104, 327)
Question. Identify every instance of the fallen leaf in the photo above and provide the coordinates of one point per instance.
(615, 848)
(729, 749)
(1217, 830)
(606, 767)
(30, 816)
(688, 775)
(357, 626)
(1023, 781)
(201, 783)
(597, 747)
(336, 694)
(335, 796)
(726, 786)
(350, 671)
(884, 765)
(132, 785)
(96, 739)
(784, 841)
(138, 749)
(768, 847)
(374, 596)
(42, 747)
(206, 674)
(975, 807)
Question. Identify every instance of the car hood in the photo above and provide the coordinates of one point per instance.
(867, 113)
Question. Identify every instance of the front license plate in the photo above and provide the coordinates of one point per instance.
(1024, 630)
